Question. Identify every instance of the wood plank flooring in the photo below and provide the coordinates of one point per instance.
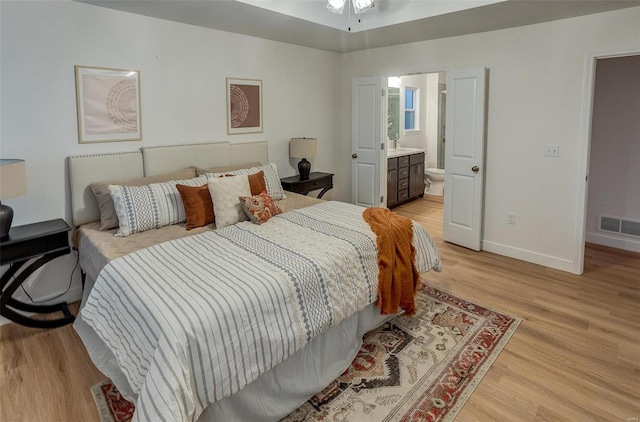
(575, 356)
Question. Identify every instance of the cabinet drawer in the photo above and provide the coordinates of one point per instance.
(416, 158)
(403, 184)
(403, 161)
(315, 184)
(392, 163)
(403, 172)
(403, 195)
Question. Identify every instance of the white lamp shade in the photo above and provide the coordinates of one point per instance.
(303, 147)
(13, 178)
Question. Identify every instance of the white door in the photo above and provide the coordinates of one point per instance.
(367, 144)
(464, 157)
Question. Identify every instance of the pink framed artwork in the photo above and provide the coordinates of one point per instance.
(244, 106)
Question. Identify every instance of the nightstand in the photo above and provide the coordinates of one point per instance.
(45, 241)
(317, 180)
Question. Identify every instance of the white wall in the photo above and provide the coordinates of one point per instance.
(414, 138)
(535, 97)
(183, 70)
(431, 120)
(614, 170)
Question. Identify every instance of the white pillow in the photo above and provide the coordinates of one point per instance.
(271, 179)
(225, 194)
(142, 208)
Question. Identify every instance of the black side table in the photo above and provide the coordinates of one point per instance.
(46, 240)
(317, 180)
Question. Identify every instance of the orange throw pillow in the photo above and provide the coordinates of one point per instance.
(198, 205)
(257, 183)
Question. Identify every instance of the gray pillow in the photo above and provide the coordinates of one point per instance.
(108, 216)
(201, 171)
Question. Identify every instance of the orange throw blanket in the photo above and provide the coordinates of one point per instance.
(399, 277)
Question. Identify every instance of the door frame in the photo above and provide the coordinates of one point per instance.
(588, 90)
(402, 72)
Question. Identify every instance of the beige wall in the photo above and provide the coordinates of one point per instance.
(182, 77)
(535, 97)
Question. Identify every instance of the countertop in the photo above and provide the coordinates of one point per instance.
(397, 152)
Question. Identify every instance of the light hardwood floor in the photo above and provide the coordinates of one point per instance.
(575, 356)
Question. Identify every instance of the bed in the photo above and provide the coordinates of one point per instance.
(241, 323)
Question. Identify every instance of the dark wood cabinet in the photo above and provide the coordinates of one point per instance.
(392, 185)
(416, 176)
(405, 178)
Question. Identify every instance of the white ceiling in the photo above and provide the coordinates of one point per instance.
(384, 13)
(390, 22)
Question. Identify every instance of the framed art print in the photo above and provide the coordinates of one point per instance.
(108, 103)
(244, 106)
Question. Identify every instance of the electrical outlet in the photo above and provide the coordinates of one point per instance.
(511, 218)
(552, 150)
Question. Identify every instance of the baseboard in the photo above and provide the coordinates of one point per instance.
(529, 256)
(617, 242)
(73, 295)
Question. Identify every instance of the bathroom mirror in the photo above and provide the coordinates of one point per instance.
(393, 116)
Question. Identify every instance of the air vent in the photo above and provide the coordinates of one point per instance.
(618, 225)
(632, 228)
(609, 224)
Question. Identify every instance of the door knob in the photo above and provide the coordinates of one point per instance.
(354, 156)
(475, 169)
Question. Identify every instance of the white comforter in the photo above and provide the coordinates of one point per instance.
(194, 320)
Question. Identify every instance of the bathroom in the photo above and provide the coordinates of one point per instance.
(416, 119)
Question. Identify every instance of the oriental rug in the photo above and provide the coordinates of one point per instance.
(419, 368)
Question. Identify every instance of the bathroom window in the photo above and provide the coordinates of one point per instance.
(411, 108)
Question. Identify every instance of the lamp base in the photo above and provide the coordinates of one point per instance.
(304, 167)
(6, 217)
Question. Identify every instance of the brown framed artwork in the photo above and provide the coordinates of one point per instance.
(108, 102)
(244, 106)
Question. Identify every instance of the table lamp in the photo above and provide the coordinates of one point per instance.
(13, 183)
(303, 148)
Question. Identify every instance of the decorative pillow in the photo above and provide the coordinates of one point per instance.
(224, 169)
(225, 193)
(108, 216)
(274, 187)
(142, 208)
(259, 208)
(256, 182)
(197, 205)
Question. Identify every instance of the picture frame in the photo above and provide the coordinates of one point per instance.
(244, 106)
(108, 104)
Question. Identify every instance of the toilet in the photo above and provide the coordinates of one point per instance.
(434, 181)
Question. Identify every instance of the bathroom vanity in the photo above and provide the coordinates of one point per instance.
(405, 175)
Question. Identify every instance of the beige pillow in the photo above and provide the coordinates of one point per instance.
(201, 171)
(108, 216)
(225, 194)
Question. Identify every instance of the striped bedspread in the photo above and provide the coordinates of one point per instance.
(196, 319)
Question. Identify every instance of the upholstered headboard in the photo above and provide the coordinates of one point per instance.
(149, 161)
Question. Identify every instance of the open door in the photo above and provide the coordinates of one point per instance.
(367, 144)
(464, 157)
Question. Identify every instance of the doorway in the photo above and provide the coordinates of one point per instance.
(416, 114)
(610, 215)
(464, 158)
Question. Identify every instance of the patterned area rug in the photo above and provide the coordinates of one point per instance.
(420, 368)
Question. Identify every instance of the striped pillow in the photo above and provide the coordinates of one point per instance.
(142, 208)
(274, 187)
